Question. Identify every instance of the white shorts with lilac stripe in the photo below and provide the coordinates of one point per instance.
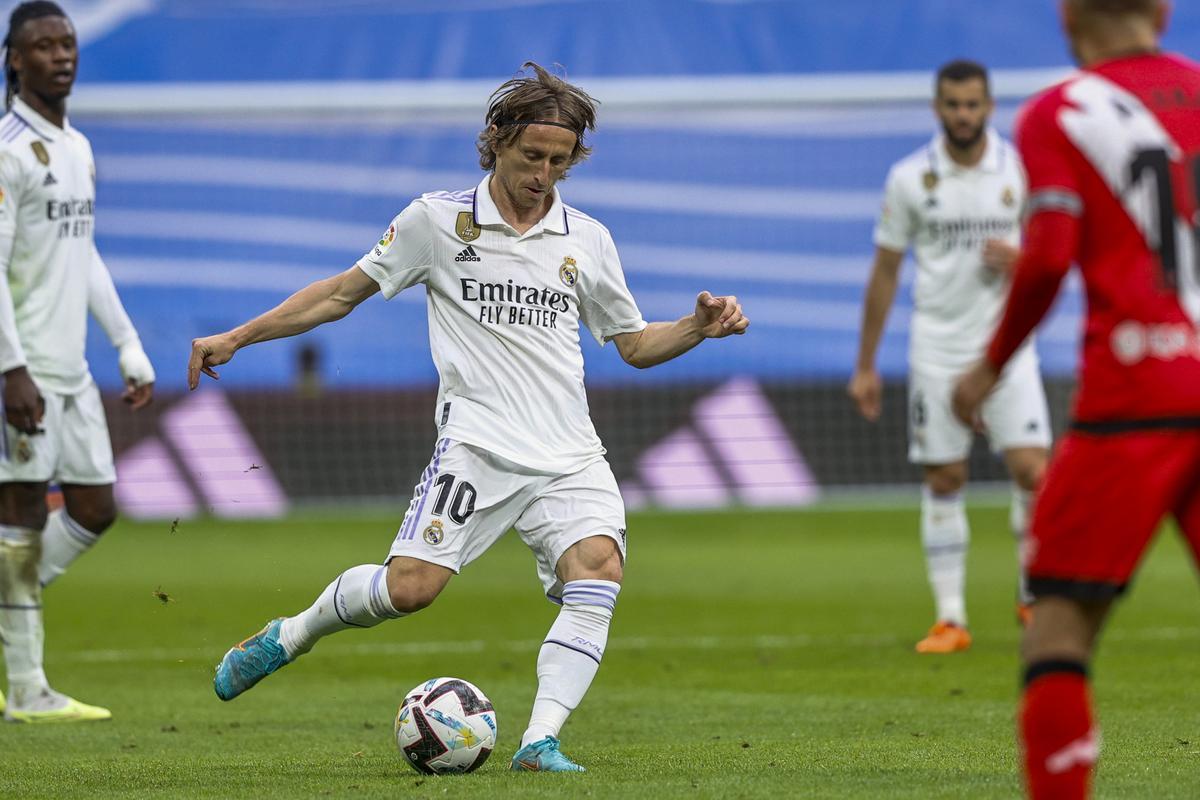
(468, 498)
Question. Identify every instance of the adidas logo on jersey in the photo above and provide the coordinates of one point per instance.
(50, 179)
(468, 255)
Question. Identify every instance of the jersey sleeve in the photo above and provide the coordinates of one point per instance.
(12, 180)
(897, 224)
(12, 184)
(105, 304)
(1052, 235)
(1054, 183)
(403, 255)
(607, 308)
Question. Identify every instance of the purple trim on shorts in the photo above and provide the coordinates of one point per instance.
(592, 656)
(410, 528)
(556, 600)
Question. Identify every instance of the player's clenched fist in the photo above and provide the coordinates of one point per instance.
(209, 352)
(720, 316)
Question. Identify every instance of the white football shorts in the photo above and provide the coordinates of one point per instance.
(468, 498)
(1014, 415)
(73, 447)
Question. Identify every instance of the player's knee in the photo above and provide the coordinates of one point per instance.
(1028, 475)
(946, 480)
(23, 505)
(414, 587)
(96, 517)
(596, 558)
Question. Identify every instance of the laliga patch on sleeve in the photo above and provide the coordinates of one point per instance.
(385, 242)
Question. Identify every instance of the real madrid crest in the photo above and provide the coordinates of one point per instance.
(466, 228)
(434, 533)
(1008, 198)
(930, 180)
(24, 452)
(568, 273)
(39, 150)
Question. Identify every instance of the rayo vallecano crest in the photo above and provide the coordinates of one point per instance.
(466, 228)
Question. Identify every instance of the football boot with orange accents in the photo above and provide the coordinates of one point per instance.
(945, 637)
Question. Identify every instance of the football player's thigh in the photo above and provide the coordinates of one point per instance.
(464, 502)
(1103, 498)
(1015, 414)
(1187, 508)
(33, 458)
(935, 435)
(569, 509)
(87, 456)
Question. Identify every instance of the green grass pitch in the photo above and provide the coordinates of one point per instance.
(752, 655)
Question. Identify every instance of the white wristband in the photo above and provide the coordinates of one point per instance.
(135, 364)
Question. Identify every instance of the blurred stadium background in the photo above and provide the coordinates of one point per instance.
(246, 148)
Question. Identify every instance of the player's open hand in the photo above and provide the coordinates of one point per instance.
(970, 391)
(209, 352)
(1000, 257)
(24, 406)
(866, 390)
(719, 316)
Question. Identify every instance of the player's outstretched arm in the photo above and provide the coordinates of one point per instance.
(713, 318)
(324, 301)
(866, 387)
(105, 305)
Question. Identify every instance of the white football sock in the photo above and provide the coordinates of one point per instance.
(945, 534)
(358, 598)
(571, 654)
(21, 611)
(1018, 518)
(63, 541)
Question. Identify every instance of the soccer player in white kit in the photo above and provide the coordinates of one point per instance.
(958, 203)
(511, 274)
(53, 276)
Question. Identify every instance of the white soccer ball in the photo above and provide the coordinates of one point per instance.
(446, 725)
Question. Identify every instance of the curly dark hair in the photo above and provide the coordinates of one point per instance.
(532, 98)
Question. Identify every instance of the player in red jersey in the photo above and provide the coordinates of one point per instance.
(1113, 155)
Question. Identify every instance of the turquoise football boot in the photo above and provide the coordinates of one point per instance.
(543, 756)
(250, 661)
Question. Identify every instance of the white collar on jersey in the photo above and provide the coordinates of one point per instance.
(44, 127)
(993, 159)
(486, 213)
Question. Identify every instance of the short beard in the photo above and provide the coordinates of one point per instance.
(969, 142)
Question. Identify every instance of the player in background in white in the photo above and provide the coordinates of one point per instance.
(511, 273)
(958, 204)
(52, 277)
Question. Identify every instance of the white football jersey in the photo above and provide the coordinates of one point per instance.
(48, 187)
(946, 212)
(504, 316)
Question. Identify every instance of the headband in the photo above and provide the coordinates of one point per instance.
(500, 123)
